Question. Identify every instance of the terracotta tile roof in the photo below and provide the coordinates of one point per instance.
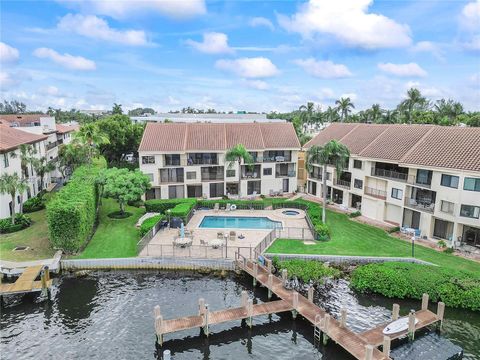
(448, 147)
(11, 138)
(425, 145)
(63, 129)
(23, 119)
(217, 137)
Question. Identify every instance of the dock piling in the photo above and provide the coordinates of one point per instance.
(284, 276)
(250, 312)
(368, 352)
(201, 306)
(158, 329)
(395, 312)
(205, 321)
(326, 324)
(440, 313)
(310, 294)
(411, 325)
(270, 285)
(294, 304)
(425, 301)
(244, 298)
(43, 279)
(343, 317)
(386, 346)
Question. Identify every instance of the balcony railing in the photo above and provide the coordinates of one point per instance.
(423, 205)
(285, 174)
(390, 174)
(205, 161)
(251, 175)
(342, 183)
(414, 181)
(52, 145)
(171, 179)
(380, 194)
(286, 158)
(315, 176)
(212, 176)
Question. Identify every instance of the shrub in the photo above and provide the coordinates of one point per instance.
(181, 210)
(405, 280)
(448, 250)
(161, 206)
(71, 214)
(355, 214)
(21, 222)
(306, 270)
(150, 223)
(442, 244)
(394, 229)
(34, 204)
(322, 230)
(136, 203)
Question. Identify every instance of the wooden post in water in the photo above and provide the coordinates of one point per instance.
(326, 324)
(44, 282)
(205, 319)
(343, 317)
(158, 324)
(411, 325)
(368, 352)
(425, 301)
(395, 312)
(294, 304)
(250, 312)
(269, 265)
(440, 314)
(201, 306)
(310, 294)
(386, 346)
(284, 276)
(270, 285)
(255, 273)
(244, 298)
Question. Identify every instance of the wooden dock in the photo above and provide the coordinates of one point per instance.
(27, 283)
(362, 346)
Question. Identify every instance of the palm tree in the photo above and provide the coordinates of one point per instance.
(117, 109)
(332, 153)
(331, 114)
(42, 167)
(27, 160)
(376, 113)
(91, 135)
(389, 117)
(345, 106)
(237, 154)
(306, 114)
(413, 101)
(448, 108)
(11, 184)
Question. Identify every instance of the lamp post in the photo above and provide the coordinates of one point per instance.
(168, 215)
(413, 246)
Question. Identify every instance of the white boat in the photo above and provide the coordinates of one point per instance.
(397, 326)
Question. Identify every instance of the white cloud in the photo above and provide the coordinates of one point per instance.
(121, 9)
(256, 67)
(474, 44)
(349, 22)
(65, 60)
(8, 54)
(261, 21)
(173, 101)
(7, 80)
(326, 93)
(428, 47)
(323, 69)
(470, 16)
(256, 84)
(213, 43)
(50, 90)
(403, 70)
(96, 28)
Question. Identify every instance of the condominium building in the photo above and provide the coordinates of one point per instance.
(422, 177)
(188, 159)
(205, 118)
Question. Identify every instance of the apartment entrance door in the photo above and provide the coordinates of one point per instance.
(286, 183)
(411, 219)
(471, 235)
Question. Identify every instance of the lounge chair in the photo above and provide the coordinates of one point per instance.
(227, 208)
(220, 235)
(233, 236)
(216, 207)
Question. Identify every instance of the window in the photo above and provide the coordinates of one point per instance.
(397, 194)
(447, 207)
(216, 190)
(424, 177)
(329, 176)
(253, 186)
(150, 176)
(176, 192)
(230, 173)
(357, 164)
(172, 159)
(449, 181)
(471, 184)
(171, 175)
(5, 160)
(148, 160)
(191, 175)
(470, 211)
(267, 171)
(358, 184)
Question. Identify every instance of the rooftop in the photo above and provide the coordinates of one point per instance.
(425, 145)
(23, 119)
(177, 137)
(199, 118)
(12, 138)
(63, 129)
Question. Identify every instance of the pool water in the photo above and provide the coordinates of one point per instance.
(239, 222)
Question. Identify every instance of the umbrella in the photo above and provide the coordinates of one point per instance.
(182, 230)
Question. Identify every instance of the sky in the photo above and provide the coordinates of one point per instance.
(237, 55)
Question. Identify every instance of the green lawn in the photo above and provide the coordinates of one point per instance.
(114, 238)
(35, 237)
(353, 238)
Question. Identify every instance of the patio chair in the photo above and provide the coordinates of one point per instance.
(203, 242)
(216, 207)
(227, 208)
(233, 236)
(220, 235)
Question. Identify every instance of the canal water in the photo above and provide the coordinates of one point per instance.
(109, 315)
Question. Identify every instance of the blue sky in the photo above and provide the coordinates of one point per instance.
(237, 55)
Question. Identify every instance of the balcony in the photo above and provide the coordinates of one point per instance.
(421, 199)
(277, 156)
(422, 205)
(413, 180)
(285, 170)
(379, 194)
(342, 183)
(390, 174)
(249, 172)
(52, 145)
(285, 174)
(213, 173)
(202, 159)
(168, 176)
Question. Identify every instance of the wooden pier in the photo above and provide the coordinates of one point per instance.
(27, 283)
(362, 346)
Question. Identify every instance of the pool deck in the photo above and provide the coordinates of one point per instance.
(162, 243)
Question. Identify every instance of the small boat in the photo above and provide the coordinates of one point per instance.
(397, 326)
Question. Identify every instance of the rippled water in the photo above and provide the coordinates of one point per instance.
(108, 315)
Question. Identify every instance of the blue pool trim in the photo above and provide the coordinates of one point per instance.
(275, 224)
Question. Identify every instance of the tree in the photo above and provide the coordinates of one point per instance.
(90, 134)
(448, 108)
(27, 160)
(344, 106)
(331, 114)
(307, 114)
(124, 185)
(12, 107)
(11, 184)
(42, 166)
(237, 154)
(332, 153)
(414, 101)
(70, 156)
(117, 109)
(376, 113)
(389, 117)
(141, 111)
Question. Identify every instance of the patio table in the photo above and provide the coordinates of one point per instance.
(216, 243)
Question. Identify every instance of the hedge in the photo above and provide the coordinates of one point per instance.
(21, 222)
(241, 204)
(182, 210)
(306, 270)
(405, 280)
(150, 223)
(71, 214)
(34, 204)
(161, 206)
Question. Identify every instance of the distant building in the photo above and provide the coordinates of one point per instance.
(206, 118)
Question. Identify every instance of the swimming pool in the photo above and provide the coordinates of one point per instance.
(238, 222)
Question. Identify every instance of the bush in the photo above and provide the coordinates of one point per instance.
(119, 215)
(322, 230)
(34, 204)
(394, 229)
(181, 210)
(306, 270)
(160, 206)
(21, 222)
(448, 251)
(442, 244)
(150, 223)
(405, 280)
(136, 203)
(355, 214)
(71, 214)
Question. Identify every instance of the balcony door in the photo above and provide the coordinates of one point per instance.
(286, 185)
(411, 219)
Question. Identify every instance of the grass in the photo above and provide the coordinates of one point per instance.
(353, 238)
(35, 237)
(114, 238)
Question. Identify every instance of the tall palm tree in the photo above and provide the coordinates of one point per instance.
(237, 154)
(345, 106)
(42, 167)
(27, 159)
(307, 114)
(376, 113)
(12, 184)
(413, 101)
(332, 153)
(389, 117)
(117, 109)
(331, 114)
(91, 135)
